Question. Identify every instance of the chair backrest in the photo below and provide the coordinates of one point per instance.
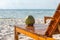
(53, 24)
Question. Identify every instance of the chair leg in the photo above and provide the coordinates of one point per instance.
(16, 34)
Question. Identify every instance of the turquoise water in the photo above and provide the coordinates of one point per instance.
(22, 13)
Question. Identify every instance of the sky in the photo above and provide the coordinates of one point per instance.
(29, 4)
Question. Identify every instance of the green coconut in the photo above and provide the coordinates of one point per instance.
(30, 20)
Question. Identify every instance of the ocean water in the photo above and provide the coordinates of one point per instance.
(22, 13)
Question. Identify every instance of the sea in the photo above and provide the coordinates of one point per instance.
(22, 13)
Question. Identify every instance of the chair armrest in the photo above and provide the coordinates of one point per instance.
(46, 17)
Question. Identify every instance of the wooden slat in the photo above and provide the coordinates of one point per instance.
(32, 35)
(53, 24)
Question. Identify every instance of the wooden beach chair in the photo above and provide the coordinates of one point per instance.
(51, 28)
(54, 22)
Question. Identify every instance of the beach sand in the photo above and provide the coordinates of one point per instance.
(7, 28)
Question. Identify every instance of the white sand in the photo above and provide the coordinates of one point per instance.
(7, 29)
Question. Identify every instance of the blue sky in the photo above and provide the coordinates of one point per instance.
(29, 4)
